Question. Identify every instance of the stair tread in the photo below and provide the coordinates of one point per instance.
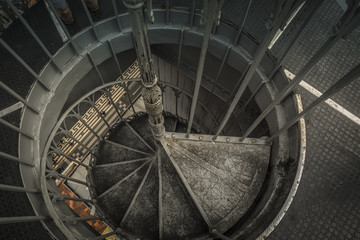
(142, 127)
(143, 218)
(116, 202)
(181, 219)
(124, 135)
(110, 153)
(224, 177)
(241, 161)
(108, 176)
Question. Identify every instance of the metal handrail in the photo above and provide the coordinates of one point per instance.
(344, 30)
(44, 159)
(51, 146)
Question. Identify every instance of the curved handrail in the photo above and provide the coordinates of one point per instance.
(43, 163)
(55, 132)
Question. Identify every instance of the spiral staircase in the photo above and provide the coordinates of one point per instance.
(158, 119)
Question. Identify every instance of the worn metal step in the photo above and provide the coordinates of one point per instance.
(180, 217)
(223, 177)
(115, 202)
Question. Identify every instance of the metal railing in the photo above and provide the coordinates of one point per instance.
(283, 10)
(94, 127)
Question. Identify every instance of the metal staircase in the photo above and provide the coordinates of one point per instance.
(101, 159)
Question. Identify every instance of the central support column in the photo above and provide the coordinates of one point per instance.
(151, 92)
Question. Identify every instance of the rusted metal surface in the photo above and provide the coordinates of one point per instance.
(81, 209)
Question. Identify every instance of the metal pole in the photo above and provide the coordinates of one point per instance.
(236, 40)
(343, 82)
(70, 135)
(18, 97)
(93, 105)
(279, 19)
(192, 13)
(16, 159)
(251, 97)
(121, 74)
(177, 94)
(151, 92)
(96, 68)
(179, 56)
(167, 12)
(11, 188)
(59, 153)
(56, 174)
(209, 17)
(292, 44)
(81, 219)
(15, 10)
(216, 234)
(117, 15)
(108, 94)
(76, 115)
(342, 30)
(59, 196)
(74, 46)
(13, 127)
(22, 219)
(90, 19)
(221, 66)
(160, 197)
(12, 52)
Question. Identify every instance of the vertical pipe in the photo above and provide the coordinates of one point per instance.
(151, 93)
(37, 39)
(209, 21)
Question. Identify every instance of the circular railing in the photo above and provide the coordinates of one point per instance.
(78, 130)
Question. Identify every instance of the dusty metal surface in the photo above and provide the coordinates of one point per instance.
(178, 209)
(224, 177)
(348, 206)
(190, 188)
